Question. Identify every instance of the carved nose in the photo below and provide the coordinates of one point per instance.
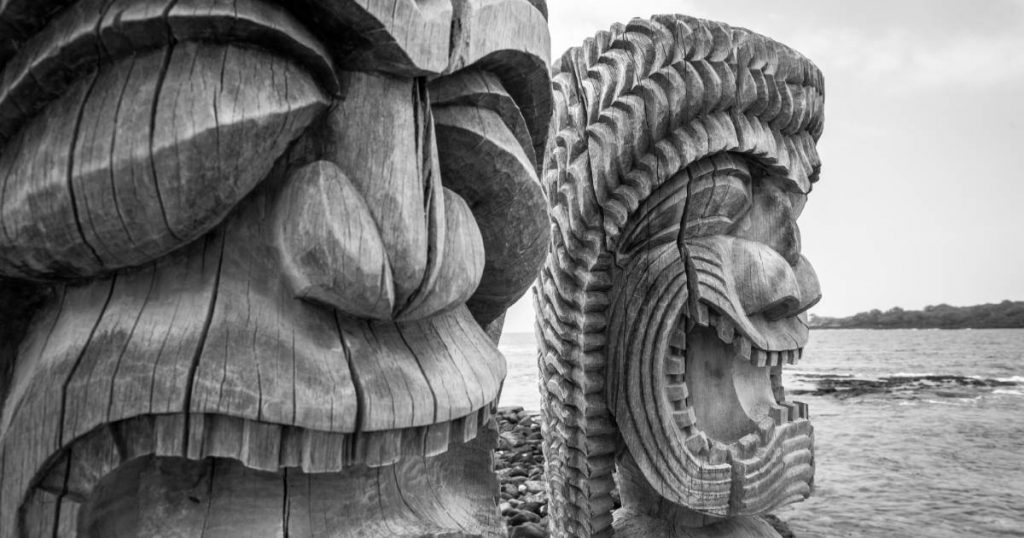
(808, 296)
(768, 285)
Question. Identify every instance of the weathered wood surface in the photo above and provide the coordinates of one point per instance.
(122, 171)
(252, 286)
(674, 288)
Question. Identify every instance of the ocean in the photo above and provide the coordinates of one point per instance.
(917, 432)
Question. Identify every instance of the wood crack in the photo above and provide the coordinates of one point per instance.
(187, 404)
(78, 361)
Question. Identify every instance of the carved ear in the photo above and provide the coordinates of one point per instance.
(330, 248)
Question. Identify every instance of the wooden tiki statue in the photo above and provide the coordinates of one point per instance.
(251, 251)
(680, 155)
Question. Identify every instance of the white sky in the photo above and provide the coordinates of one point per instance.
(921, 194)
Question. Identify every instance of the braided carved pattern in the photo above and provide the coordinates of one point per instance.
(633, 106)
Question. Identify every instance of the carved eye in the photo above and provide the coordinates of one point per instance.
(719, 195)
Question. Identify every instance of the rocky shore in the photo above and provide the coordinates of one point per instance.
(519, 463)
(907, 386)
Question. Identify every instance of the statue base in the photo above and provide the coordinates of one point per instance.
(647, 514)
(629, 523)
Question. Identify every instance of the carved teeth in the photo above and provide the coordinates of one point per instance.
(762, 358)
(697, 443)
(685, 418)
(718, 454)
(677, 394)
(748, 445)
(726, 330)
(759, 357)
(675, 365)
(779, 414)
(766, 429)
(742, 347)
(802, 410)
(785, 412)
(678, 341)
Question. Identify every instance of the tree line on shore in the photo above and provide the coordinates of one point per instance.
(1004, 315)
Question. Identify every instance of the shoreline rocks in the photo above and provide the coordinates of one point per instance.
(519, 464)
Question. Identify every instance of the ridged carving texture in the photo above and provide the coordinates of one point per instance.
(633, 106)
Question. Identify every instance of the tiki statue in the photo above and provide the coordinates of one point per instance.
(253, 254)
(680, 155)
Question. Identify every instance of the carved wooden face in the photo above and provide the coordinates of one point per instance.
(742, 243)
(716, 249)
(296, 217)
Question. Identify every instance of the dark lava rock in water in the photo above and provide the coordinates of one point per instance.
(909, 386)
(780, 526)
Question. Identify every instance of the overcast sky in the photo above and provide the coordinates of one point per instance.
(921, 192)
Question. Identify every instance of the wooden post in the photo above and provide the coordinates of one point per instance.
(674, 291)
(254, 258)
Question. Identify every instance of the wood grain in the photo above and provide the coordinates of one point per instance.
(483, 162)
(510, 39)
(93, 32)
(133, 179)
(330, 248)
(388, 163)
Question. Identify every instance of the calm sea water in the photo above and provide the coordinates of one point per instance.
(937, 460)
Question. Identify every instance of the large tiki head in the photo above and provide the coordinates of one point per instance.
(680, 156)
(266, 239)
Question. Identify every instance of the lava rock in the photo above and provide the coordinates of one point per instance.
(528, 530)
(519, 517)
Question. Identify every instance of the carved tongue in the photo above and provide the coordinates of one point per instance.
(730, 396)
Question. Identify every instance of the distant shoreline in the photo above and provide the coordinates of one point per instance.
(911, 328)
(1004, 315)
